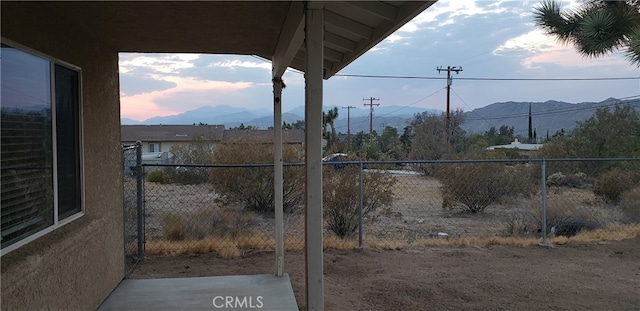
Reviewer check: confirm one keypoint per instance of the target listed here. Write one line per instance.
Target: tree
(596, 28)
(429, 137)
(340, 196)
(252, 187)
(198, 151)
(608, 134)
(390, 143)
(329, 118)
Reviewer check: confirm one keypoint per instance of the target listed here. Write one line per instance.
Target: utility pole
(530, 127)
(348, 125)
(449, 69)
(371, 104)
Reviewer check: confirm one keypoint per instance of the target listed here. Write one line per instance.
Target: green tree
(502, 136)
(608, 134)
(390, 143)
(429, 137)
(329, 118)
(596, 28)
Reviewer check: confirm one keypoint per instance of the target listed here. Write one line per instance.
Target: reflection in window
(29, 177)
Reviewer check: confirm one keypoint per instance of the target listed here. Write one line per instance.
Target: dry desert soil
(585, 276)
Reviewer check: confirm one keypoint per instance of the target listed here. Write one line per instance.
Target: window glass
(33, 126)
(26, 161)
(68, 150)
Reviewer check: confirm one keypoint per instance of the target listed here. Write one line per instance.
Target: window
(41, 162)
(154, 147)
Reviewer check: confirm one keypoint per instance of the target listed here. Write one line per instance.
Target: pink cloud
(142, 106)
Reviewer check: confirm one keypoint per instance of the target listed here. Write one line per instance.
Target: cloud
(533, 41)
(237, 63)
(165, 63)
(540, 49)
(168, 101)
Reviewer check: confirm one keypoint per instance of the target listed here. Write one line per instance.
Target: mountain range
(547, 117)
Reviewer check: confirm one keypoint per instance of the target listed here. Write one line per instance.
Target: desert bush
(341, 196)
(157, 176)
(611, 184)
(222, 222)
(563, 217)
(252, 187)
(198, 151)
(173, 227)
(630, 205)
(475, 186)
(186, 175)
(558, 179)
(519, 225)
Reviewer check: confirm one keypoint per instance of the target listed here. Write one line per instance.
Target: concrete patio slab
(238, 292)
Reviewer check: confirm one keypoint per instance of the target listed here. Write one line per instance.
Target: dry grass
(227, 247)
(610, 233)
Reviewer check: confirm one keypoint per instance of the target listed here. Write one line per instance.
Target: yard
(191, 219)
(574, 276)
(417, 255)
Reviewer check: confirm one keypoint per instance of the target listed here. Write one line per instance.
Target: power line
(487, 79)
(406, 106)
(472, 110)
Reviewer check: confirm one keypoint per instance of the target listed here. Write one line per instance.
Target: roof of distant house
(290, 136)
(216, 133)
(517, 145)
(132, 133)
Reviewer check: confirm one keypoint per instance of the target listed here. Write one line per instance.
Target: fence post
(139, 211)
(360, 199)
(544, 202)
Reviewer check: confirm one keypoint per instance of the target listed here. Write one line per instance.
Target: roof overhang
(273, 30)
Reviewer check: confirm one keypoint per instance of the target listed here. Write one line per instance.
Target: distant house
(522, 148)
(160, 138)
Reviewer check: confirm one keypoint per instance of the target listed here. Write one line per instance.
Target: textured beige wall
(76, 266)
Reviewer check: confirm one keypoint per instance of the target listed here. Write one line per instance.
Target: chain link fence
(228, 209)
(132, 204)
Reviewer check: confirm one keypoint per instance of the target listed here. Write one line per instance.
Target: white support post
(313, 157)
(277, 173)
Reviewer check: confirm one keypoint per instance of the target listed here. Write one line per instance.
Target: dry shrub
(467, 242)
(216, 221)
(255, 241)
(340, 194)
(558, 179)
(252, 187)
(157, 176)
(518, 225)
(475, 186)
(611, 184)
(173, 227)
(564, 217)
(228, 251)
(630, 205)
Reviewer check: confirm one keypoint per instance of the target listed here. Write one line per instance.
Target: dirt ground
(588, 276)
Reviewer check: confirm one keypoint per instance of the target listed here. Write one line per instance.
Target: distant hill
(550, 116)
(396, 116)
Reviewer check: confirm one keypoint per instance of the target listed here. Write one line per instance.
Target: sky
(487, 39)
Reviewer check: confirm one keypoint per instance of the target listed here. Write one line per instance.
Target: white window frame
(155, 146)
(57, 223)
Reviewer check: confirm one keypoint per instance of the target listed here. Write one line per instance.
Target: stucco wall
(74, 267)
